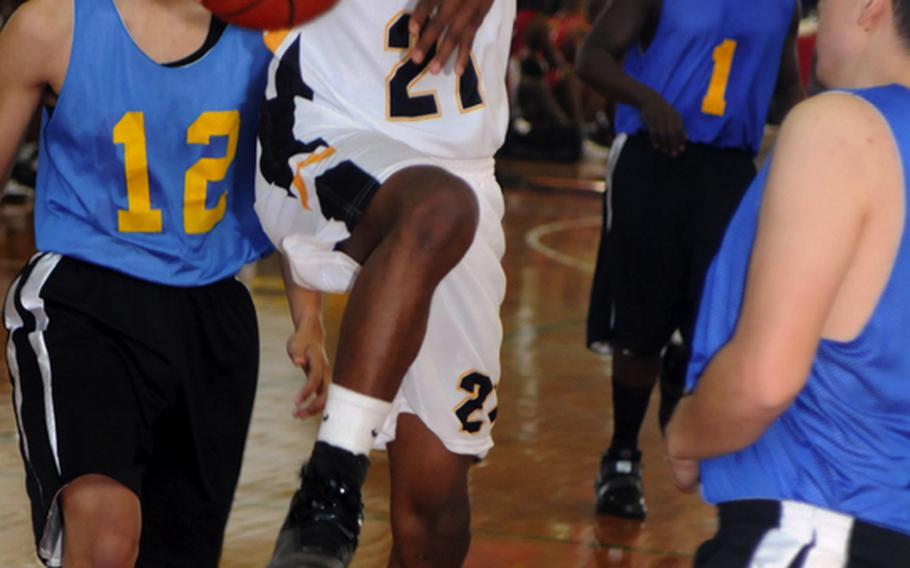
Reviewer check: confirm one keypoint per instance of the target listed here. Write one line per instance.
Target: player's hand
(451, 23)
(306, 349)
(668, 134)
(685, 474)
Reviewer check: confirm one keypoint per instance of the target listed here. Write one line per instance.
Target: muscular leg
(102, 523)
(430, 506)
(419, 225)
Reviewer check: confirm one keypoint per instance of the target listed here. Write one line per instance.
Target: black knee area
(634, 376)
(673, 369)
(636, 369)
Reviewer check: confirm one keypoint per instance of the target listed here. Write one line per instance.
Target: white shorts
(452, 384)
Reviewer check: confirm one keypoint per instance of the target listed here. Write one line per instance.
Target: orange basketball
(267, 14)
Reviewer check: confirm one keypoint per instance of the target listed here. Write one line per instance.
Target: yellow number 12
(139, 217)
(715, 102)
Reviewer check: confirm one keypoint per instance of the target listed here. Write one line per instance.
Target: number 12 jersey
(148, 169)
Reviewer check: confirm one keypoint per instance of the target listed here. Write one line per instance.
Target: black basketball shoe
(618, 485)
(323, 524)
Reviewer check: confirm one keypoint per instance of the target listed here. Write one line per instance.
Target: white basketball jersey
(356, 60)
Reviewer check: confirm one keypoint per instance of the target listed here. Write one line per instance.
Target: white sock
(351, 420)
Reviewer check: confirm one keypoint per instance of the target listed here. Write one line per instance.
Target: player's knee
(114, 549)
(101, 520)
(443, 217)
(432, 538)
(107, 549)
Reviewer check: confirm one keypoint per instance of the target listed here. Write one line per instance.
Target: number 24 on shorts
(478, 387)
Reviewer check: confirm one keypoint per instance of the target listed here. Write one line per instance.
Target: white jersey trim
(823, 535)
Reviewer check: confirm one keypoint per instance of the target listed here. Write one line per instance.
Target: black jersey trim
(216, 30)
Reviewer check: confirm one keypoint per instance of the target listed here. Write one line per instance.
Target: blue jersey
(716, 63)
(844, 444)
(148, 169)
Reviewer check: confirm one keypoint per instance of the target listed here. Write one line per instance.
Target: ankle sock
(352, 421)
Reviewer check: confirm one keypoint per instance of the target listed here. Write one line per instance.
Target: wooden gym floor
(533, 497)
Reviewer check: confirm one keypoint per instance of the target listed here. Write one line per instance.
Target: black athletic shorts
(664, 218)
(785, 533)
(150, 385)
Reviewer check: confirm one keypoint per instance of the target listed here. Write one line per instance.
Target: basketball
(267, 14)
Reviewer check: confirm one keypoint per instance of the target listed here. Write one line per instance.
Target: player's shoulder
(35, 43)
(42, 24)
(840, 139)
(840, 121)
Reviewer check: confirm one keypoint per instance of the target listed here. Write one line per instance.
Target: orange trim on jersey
(274, 39)
(314, 158)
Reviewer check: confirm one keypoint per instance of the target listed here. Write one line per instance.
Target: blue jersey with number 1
(148, 169)
(716, 62)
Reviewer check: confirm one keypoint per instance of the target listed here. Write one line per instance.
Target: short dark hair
(902, 19)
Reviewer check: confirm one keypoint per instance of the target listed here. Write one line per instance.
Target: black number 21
(402, 103)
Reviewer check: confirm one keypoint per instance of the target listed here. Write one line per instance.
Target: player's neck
(165, 30)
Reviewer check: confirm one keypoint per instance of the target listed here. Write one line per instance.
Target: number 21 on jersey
(140, 217)
(715, 102)
(405, 104)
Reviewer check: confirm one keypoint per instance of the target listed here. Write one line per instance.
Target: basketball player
(377, 177)
(695, 92)
(801, 410)
(133, 351)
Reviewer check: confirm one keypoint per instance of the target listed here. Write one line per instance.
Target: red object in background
(568, 32)
(522, 20)
(267, 14)
(805, 50)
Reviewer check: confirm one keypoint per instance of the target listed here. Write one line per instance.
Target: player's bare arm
(614, 31)
(451, 23)
(306, 345)
(34, 52)
(831, 199)
(788, 92)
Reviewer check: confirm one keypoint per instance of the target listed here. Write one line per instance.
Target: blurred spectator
(545, 110)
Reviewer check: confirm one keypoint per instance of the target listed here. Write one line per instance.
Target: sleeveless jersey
(716, 63)
(844, 444)
(355, 60)
(148, 169)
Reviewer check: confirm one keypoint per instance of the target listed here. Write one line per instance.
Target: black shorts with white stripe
(149, 385)
(787, 534)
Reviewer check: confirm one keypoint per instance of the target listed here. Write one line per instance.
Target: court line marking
(534, 236)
